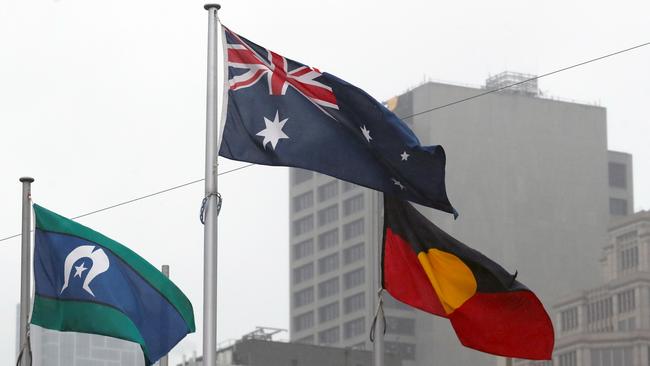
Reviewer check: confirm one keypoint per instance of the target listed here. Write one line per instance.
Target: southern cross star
(366, 133)
(273, 131)
(79, 270)
(405, 156)
(398, 183)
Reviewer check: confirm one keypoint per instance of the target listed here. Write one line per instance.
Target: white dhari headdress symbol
(99, 260)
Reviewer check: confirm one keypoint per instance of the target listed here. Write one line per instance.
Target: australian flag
(281, 112)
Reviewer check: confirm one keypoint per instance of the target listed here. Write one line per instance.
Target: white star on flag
(79, 270)
(397, 183)
(405, 156)
(273, 131)
(366, 133)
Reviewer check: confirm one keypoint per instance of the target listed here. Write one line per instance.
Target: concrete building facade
(529, 177)
(609, 325)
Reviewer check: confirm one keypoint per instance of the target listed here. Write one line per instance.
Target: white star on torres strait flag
(273, 131)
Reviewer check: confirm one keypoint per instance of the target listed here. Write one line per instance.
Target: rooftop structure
(522, 83)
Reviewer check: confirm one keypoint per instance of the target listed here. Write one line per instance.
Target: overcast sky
(104, 101)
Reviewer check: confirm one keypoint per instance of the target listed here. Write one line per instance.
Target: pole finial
(26, 179)
(211, 6)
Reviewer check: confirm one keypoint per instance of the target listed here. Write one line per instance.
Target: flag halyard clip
(205, 203)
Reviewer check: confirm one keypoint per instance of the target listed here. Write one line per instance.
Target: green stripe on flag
(85, 317)
(47, 220)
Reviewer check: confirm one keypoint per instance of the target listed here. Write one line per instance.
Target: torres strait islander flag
(88, 283)
(280, 112)
(488, 308)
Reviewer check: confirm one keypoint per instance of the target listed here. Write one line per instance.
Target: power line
(527, 80)
(405, 117)
(142, 197)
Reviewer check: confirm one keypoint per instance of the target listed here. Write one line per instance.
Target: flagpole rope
(25, 347)
(142, 197)
(380, 307)
(402, 117)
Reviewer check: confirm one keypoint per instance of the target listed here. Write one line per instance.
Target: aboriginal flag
(489, 309)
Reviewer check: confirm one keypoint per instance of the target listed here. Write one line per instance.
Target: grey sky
(105, 101)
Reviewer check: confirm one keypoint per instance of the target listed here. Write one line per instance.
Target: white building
(609, 325)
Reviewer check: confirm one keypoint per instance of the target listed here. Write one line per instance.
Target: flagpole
(210, 225)
(25, 275)
(164, 360)
(378, 342)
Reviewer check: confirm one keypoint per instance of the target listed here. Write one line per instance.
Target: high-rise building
(609, 325)
(529, 176)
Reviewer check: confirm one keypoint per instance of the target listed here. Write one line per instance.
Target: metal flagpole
(210, 225)
(164, 360)
(25, 275)
(378, 344)
(378, 341)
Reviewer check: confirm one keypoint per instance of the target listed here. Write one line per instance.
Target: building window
(405, 351)
(354, 328)
(303, 297)
(301, 175)
(303, 273)
(347, 186)
(600, 310)
(327, 191)
(354, 278)
(626, 325)
(354, 253)
(328, 215)
(303, 201)
(352, 205)
(353, 229)
(329, 336)
(611, 356)
(354, 303)
(303, 249)
(626, 301)
(328, 312)
(303, 321)
(617, 207)
(402, 326)
(328, 264)
(328, 288)
(628, 258)
(328, 239)
(617, 175)
(303, 225)
(569, 319)
(391, 303)
(568, 359)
